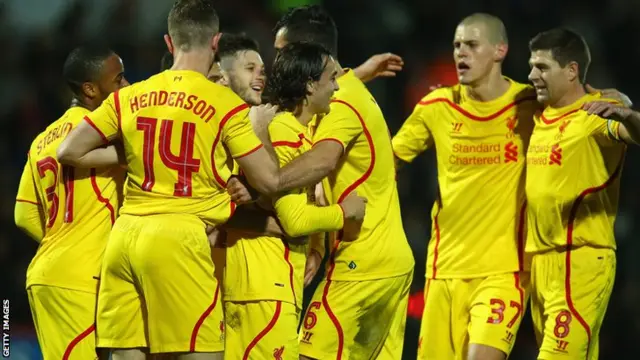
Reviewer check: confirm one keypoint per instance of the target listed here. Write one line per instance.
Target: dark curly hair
(295, 65)
(84, 64)
(232, 44)
(310, 23)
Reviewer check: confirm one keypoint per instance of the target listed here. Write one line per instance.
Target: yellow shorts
(459, 312)
(157, 287)
(357, 319)
(65, 322)
(261, 330)
(568, 304)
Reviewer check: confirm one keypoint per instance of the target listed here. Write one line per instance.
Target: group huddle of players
(204, 250)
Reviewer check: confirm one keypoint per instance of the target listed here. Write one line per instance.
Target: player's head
(480, 45)
(559, 62)
(303, 75)
(307, 23)
(166, 62)
(92, 73)
(193, 26)
(241, 67)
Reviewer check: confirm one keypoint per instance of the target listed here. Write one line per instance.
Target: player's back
(174, 126)
(381, 249)
(80, 206)
(480, 149)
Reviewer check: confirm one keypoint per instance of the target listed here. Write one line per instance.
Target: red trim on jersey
(521, 235)
(436, 225)
(572, 218)
(233, 209)
(264, 331)
(101, 198)
(292, 144)
(367, 134)
(224, 120)
(287, 252)
(250, 151)
(203, 317)
(325, 302)
(27, 201)
(116, 102)
(551, 121)
(104, 138)
(76, 341)
(472, 116)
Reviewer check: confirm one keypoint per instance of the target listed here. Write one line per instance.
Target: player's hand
(313, 265)
(379, 65)
(354, 207)
(611, 94)
(607, 110)
(434, 87)
(261, 116)
(213, 234)
(321, 199)
(239, 191)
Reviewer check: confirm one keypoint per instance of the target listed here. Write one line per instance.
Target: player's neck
(489, 88)
(574, 94)
(304, 115)
(86, 104)
(194, 60)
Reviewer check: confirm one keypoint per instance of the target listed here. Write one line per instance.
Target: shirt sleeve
(27, 188)
(297, 215)
(414, 136)
(342, 124)
(107, 117)
(606, 132)
(28, 210)
(237, 132)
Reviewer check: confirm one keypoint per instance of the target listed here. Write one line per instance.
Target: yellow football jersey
(269, 268)
(573, 178)
(80, 206)
(177, 128)
(480, 211)
(356, 122)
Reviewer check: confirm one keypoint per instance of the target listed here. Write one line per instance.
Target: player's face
(321, 91)
(548, 77)
(473, 53)
(215, 74)
(112, 77)
(246, 76)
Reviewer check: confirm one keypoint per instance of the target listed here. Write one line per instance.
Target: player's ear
(311, 87)
(90, 90)
(501, 51)
(224, 79)
(572, 71)
(167, 40)
(215, 40)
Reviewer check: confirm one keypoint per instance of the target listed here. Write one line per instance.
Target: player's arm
(379, 65)
(623, 122)
(28, 212)
(260, 169)
(300, 218)
(334, 133)
(413, 138)
(87, 145)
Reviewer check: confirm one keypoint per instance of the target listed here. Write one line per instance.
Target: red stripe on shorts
(264, 331)
(196, 328)
(77, 340)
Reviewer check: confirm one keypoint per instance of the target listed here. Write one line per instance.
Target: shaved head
(494, 27)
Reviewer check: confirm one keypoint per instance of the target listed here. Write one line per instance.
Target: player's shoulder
(58, 129)
(445, 94)
(285, 126)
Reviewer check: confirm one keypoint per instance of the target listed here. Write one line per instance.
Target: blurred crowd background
(36, 36)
